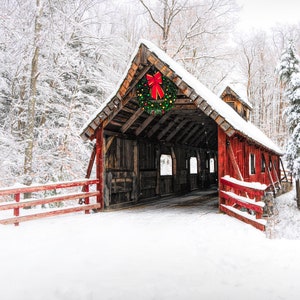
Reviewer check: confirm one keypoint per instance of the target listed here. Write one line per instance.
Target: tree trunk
(298, 192)
(29, 133)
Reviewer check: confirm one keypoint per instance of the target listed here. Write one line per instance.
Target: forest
(60, 59)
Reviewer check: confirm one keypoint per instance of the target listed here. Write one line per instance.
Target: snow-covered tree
(289, 72)
(77, 65)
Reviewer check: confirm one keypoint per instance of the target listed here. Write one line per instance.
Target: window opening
(193, 165)
(211, 165)
(166, 165)
(252, 163)
(263, 163)
(270, 162)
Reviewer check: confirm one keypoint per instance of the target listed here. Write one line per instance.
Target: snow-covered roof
(237, 123)
(239, 90)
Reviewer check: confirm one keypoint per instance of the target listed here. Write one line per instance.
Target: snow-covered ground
(156, 252)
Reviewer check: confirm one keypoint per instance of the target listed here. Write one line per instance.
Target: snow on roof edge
(229, 114)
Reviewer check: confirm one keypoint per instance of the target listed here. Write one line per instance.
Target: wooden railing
(20, 202)
(243, 200)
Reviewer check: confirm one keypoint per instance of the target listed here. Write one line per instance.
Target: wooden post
(222, 166)
(17, 210)
(174, 171)
(100, 165)
(157, 188)
(136, 171)
(87, 199)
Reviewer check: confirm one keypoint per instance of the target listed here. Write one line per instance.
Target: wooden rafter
(131, 120)
(139, 130)
(190, 134)
(201, 133)
(177, 129)
(158, 124)
(184, 132)
(167, 128)
(128, 95)
(197, 136)
(112, 114)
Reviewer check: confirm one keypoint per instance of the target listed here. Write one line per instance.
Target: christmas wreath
(156, 93)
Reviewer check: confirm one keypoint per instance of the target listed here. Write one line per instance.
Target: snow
(245, 199)
(253, 185)
(155, 252)
(229, 114)
(245, 214)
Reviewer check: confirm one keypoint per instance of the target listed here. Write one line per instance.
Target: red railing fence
(21, 202)
(243, 200)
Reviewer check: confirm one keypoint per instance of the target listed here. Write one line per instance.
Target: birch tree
(34, 73)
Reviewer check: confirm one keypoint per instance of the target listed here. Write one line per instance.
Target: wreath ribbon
(154, 83)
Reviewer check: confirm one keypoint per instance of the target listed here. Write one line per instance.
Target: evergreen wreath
(156, 93)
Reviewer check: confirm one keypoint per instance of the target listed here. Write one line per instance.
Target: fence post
(100, 165)
(17, 210)
(87, 199)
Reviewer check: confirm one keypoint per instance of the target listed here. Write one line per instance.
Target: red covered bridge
(163, 133)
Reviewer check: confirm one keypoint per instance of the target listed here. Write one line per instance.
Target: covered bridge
(162, 132)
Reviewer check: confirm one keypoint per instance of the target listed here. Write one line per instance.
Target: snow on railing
(243, 200)
(20, 201)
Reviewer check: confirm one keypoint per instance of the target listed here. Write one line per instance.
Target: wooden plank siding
(242, 149)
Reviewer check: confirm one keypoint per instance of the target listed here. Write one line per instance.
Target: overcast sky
(266, 13)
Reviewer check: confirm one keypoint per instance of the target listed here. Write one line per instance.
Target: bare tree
(194, 32)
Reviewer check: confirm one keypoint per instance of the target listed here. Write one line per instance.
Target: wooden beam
(139, 130)
(231, 211)
(100, 165)
(184, 132)
(131, 120)
(284, 172)
(177, 129)
(136, 170)
(157, 187)
(191, 133)
(50, 213)
(201, 133)
(91, 163)
(112, 114)
(167, 128)
(126, 97)
(162, 120)
(197, 136)
(234, 162)
(108, 144)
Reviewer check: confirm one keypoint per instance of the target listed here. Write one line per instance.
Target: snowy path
(157, 252)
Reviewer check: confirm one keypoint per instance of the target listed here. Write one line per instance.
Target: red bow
(154, 83)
